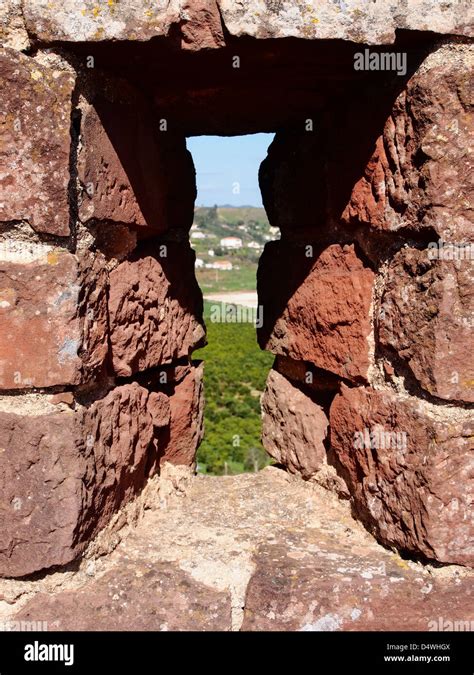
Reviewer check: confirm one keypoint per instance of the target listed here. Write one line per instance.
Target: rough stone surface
(12, 27)
(285, 554)
(294, 426)
(354, 20)
(35, 143)
(192, 24)
(90, 22)
(52, 318)
(99, 160)
(42, 476)
(419, 176)
(319, 309)
(186, 418)
(130, 171)
(63, 474)
(93, 313)
(38, 322)
(137, 595)
(409, 466)
(124, 432)
(426, 315)
(200, 25)
(155, 308)
(299, 588)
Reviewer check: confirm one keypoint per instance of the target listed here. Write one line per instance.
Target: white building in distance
(231, 242)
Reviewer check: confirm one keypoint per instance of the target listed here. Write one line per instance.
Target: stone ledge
(257, 551)
(200, 22)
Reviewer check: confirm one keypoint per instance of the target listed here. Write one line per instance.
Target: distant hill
(211, 224)
(229, 206)
(249, 223)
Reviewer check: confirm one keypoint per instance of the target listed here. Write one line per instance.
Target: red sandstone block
(186, 417)
(410, 468)
(63, 474)
(427, 316)
(317, 308)
(155, 595)
(124, 432)
(294, 426)
(53, 322)
(130, 171)
(35, 143)
(336, 584)
(420, 173)
(42, 491)
(155, 308)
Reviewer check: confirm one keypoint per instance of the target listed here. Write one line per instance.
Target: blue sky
(227, 168)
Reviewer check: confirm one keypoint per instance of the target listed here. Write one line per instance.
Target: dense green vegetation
(235, 374)
(235, 368)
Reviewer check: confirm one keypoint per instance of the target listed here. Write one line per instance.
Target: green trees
(235, 368)
(234, 377)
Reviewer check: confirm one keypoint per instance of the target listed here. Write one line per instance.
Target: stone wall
(378, 292)
(99, 307)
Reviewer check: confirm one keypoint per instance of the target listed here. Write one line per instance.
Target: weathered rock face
(319, 310)
(116, 21)
(123, 430)
(261, 551)
(352, 20)
(419, 174)
(97, 160)
(138, 595)
(51, 320)
(186, 418)
(35, 143)
(292, 591)
(94, 145)
(94, 316)
(53, 317)
(76, 469)
(155, 309)
(426, 315)
(41, 488)
(12, 27)
(294, 427)
(416, 183)
(409, 468)
(130, 170)
(200, 25)
(197, 25)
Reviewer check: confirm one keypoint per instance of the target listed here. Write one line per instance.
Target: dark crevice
(76, 116)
